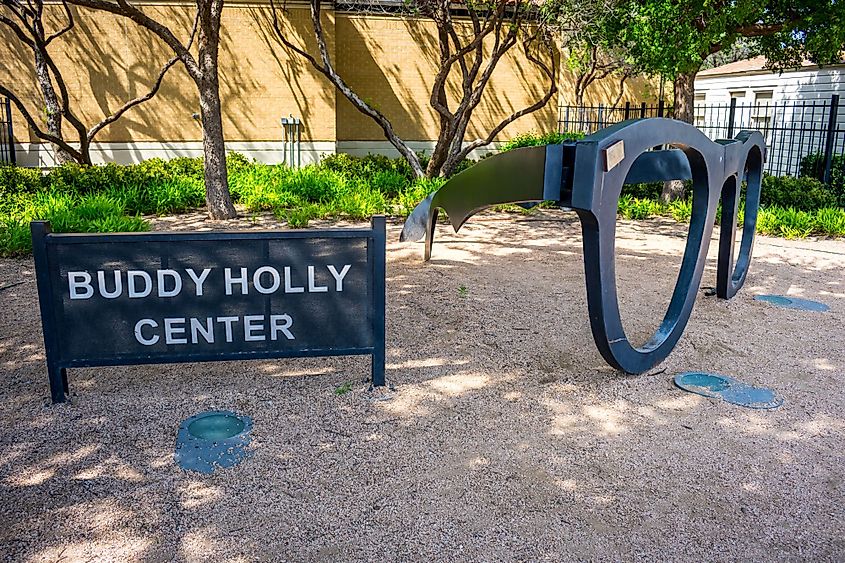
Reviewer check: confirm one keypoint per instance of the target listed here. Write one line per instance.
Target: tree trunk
(51, 105)
(684, 90)
(217, 195)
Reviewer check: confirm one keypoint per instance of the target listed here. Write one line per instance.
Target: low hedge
(113, 198)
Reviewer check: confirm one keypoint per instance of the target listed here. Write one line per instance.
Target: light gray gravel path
(504, 435)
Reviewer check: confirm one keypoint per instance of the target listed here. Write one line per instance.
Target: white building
(791, 108)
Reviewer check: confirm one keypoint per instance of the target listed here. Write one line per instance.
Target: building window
(761, 114)
(699, 109)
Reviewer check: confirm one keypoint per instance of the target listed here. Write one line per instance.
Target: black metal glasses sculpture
(587, 176)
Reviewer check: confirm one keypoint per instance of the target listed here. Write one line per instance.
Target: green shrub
(415, 193)
(681, 210)
(637, 209)
(801, 193)
(67, 212)
(537, 139)
(18, 180)
(389, 182)
(785, 222)
(314, 184)
(651, 190)
(830, 221)
(812, 166)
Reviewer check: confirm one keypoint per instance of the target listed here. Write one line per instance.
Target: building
(794, 109)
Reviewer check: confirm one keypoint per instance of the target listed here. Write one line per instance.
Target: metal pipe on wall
(292, 141)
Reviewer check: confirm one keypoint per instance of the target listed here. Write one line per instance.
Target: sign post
(146, 298)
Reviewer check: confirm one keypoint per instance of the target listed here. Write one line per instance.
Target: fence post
(660, 108)
(642, 111)
(831, 128)
(627, 111)
(12, 155)
(731, 118)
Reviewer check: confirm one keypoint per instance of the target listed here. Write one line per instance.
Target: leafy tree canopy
(675, 36)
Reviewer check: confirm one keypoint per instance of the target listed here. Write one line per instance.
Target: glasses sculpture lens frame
(587, 176)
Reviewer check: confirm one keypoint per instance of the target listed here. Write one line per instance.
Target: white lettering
(77, 280)
(256, 279)
(312, 286)
(230, 281)
(171, 331)
(177, 283)
(338, 278)
(118, 284)
(198, 281)
(131, 276)
(249, 327)
(280, 323)
(139, 335)
(288, 287)
(228, 322)
(206, 330)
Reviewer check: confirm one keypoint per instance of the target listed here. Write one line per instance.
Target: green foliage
(538, 139)
(801, 193)
(651, 190)
(812, 166)
(15, 180)
(344, 388)
(830, 221)
(681, 210)
(675, 36)
(637, 209)
(785, 222)
(88, 213)
(112, 198)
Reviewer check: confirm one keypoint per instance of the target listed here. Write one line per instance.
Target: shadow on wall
(293, 73)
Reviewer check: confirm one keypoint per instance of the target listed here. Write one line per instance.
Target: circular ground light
(212, 439)
(728, 389)
(793, 303)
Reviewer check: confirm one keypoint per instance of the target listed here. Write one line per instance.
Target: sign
(142, 298)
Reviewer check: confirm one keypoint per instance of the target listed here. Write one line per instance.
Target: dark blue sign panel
(123, 299)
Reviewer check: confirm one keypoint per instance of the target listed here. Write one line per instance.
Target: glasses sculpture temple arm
(531, 174)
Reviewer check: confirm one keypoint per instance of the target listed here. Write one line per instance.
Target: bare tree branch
(326, 68)
(125, 9)
(549, 71)
(41, 134)
(68, 26)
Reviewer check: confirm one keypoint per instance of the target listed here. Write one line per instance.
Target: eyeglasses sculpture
(587, 176)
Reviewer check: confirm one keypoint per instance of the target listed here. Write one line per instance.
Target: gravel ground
(503, 434)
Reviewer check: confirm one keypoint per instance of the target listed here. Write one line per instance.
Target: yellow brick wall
(107, 59)
(392, 63)
(389, 61)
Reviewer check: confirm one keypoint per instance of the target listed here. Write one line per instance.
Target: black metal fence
(793, 130)
(589, 119)
(7, 137)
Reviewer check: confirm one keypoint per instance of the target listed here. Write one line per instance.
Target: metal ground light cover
(793, 303)
(728, 389)
(212, 439)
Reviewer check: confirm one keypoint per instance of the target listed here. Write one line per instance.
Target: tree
(674, 37)
(582, 28)
(202, 69)
(471, 47)
(26, 21)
